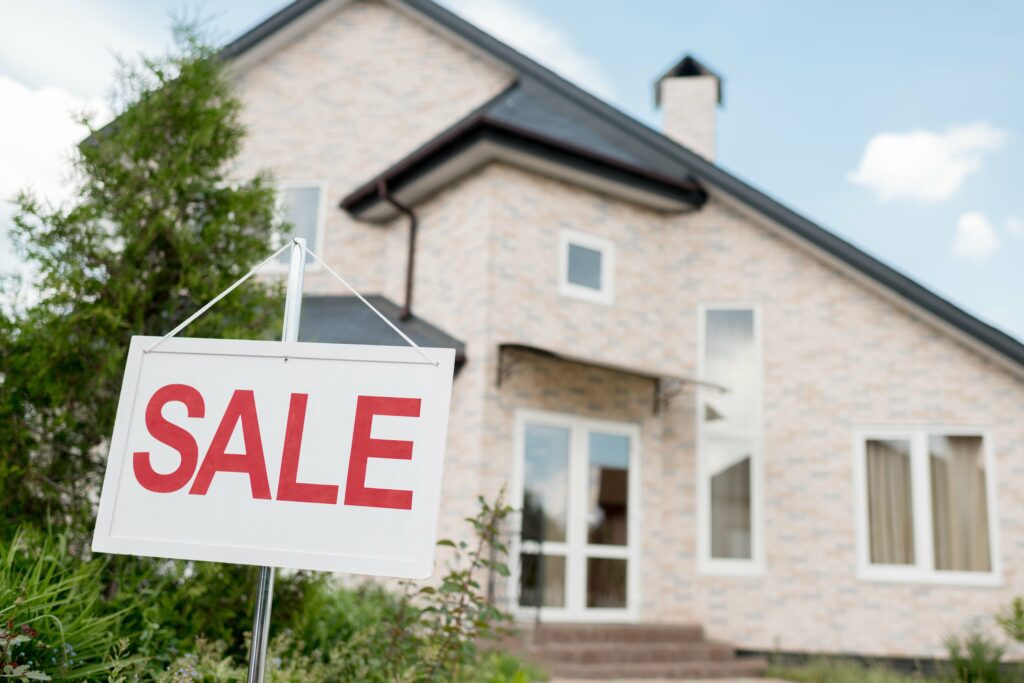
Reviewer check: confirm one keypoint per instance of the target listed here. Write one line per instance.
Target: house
(712, 410)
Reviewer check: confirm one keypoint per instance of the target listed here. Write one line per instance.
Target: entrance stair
(631, 651)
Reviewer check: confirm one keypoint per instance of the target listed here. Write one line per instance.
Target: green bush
(330, 614)
(119, 619)
(1011, 620)
(55, 623)
(168, 604)
(975, 658)
(431, 633)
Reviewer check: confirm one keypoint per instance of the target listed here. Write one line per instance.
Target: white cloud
(71, 45)
(923, 165)
(512, 23)
(975, 238)
(37, 135)
(1015, 226)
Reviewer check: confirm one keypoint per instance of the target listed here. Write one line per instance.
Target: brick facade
(371, 84)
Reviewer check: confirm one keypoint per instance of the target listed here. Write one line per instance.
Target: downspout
(385, 194)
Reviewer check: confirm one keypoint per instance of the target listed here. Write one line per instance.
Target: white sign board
(311, 456)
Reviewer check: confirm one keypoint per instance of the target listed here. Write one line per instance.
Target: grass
(842, 671)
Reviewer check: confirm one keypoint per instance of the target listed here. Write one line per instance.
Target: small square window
(586, 267)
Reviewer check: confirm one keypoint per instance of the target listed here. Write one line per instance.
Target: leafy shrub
(330, 614)
(1011, 620)
(432, 633)
(457, 614)
(975, 658)
(168, 604)
(498, 667)
(55, 625)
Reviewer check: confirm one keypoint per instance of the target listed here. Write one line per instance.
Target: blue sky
(899, 126)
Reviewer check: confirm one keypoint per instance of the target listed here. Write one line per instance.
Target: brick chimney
(689, 95)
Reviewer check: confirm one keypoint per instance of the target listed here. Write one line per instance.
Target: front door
(577, 484)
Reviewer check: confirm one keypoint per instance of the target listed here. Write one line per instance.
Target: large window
(586, 267)
(927, 508)
(729, 466)
(302, 211)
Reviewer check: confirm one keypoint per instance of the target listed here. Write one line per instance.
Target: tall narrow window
(545, 510)
(927, 505)
(729, 434)
(300, 208)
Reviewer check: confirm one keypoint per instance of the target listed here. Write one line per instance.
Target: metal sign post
(265, 583)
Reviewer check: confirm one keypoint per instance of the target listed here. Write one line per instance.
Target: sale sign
(287, 454)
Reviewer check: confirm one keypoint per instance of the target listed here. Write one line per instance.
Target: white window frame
(706, 564)
(276, 266)
(576, 549)
(923, 570)
(604, 295)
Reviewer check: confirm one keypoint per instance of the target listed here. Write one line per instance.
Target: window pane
(890, 502)
(542, 580)
(959, 503)
(730, 359)
(301, 212)
(729, 468)
(606, 582)
(545, 488)
(584, 268)
(608, 488)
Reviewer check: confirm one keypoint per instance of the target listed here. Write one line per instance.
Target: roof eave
(481, 129)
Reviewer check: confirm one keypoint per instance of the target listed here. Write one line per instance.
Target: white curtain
(959, 503)
(890, 502)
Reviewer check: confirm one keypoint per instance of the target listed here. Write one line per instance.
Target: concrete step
(616, 633)
(595, 653)
(736, 668)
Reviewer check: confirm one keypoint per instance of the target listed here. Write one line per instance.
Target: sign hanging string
(188, 321)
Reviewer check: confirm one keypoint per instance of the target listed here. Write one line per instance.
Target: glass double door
(577, 489)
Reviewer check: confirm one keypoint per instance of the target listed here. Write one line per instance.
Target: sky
(899, 126)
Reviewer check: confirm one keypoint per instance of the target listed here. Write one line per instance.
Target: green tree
(157, 227)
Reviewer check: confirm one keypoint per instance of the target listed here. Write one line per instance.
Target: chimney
(689, 94)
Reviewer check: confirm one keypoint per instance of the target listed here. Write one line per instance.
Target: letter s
(172, 435)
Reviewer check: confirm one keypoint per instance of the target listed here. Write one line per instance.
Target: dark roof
(550, 107)
(347, 320)
(687, 66)
(519, 120)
